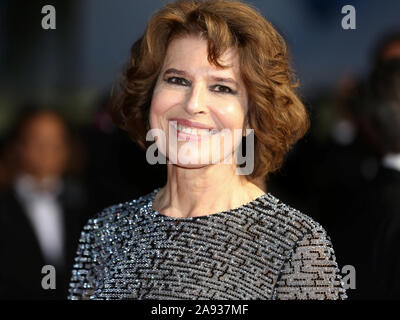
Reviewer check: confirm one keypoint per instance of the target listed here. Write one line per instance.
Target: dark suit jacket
(21, 259)
(385, 255)
(369, 238)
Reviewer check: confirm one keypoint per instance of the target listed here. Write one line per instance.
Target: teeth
(194, 131)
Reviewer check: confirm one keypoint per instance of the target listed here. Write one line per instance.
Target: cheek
(162, 101)
(230, 115)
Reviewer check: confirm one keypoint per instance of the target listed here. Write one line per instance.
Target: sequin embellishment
(262, 250)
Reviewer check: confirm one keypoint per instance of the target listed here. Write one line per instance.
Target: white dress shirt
(392, 161)
(45, 214)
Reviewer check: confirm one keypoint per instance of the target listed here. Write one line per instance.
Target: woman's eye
(224, 89)
(182, 81)
(176, 80)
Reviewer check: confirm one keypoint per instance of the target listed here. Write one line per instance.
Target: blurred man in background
(355, 198)
(41, 213)
(380, 204)
(388, 47)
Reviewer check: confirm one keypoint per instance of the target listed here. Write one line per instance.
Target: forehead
(44, 124)
(191, 53)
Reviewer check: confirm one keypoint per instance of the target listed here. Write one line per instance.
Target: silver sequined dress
(261, 250)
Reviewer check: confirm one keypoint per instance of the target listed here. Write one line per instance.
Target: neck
(203, 191)
(40, 183)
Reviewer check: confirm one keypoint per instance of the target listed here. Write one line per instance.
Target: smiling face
(199, 104)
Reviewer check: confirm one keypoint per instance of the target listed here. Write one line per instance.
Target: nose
(196, 99)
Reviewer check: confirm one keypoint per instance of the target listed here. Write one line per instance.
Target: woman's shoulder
(287, 220)
(119, 214)
(294, 234)
(308, 256)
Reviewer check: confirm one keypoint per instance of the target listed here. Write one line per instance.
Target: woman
(202, 71)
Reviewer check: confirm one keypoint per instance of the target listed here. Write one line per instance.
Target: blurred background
(62, 160)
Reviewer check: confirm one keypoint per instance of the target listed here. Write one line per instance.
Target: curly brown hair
(276, 114)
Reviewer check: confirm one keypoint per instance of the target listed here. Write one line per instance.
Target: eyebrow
(183, 73)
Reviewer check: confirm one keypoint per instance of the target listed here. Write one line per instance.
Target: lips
(189, 130)
(191, 124)
(194, 131)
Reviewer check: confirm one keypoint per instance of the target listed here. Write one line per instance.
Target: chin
(189, 162)
(190, 157)
(191, 166)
